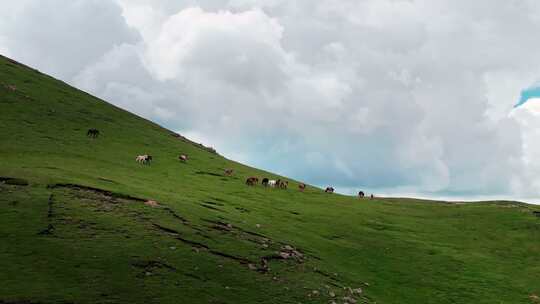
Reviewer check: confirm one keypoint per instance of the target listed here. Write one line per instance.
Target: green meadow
(82, 222)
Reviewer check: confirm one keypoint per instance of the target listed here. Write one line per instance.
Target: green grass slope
(81, 232)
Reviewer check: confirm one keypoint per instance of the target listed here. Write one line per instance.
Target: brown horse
(252, 181)
(302, 187)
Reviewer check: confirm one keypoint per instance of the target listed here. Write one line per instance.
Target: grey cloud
(60, 36)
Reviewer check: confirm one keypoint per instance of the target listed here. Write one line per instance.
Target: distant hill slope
(76, 224)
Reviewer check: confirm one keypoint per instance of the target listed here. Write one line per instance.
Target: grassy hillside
(81, 230)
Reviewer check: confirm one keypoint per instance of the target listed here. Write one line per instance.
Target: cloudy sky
(399, 97)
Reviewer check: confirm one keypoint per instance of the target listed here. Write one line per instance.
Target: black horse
(93, 133)
(361, 194)
(265, 182)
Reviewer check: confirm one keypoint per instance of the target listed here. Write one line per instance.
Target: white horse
(143, 159)
(272, 183)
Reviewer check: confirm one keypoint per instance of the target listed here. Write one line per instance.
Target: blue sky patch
(532, 92)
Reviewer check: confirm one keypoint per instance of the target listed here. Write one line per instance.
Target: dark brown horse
(92, 133)
(252, 181)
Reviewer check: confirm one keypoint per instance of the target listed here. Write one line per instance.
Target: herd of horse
(250, 181)
(281, 184)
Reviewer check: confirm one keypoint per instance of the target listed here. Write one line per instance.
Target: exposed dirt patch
(107, 180)
(152, 267)
(243, 210)
(177, 236)
(285, 253)
(177, 216)
(333, 237)
(97, 190)
(217, 199)
(108, 201)
(214, 203)
(241, 260)
(14, 181)
(223, 226)
(209, 173)
(326, 274)
(212, 208)
(151, 203)
(194, 244)
(200, 246)
(47, 231)
(152, 264)
(30, 302)
(194, 276)
(50, 206)
(50, 213)
(165, 229)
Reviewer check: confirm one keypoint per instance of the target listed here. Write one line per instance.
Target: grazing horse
(272, 183)
(143, 159)
(229, 172)
(265, 182)
(329, 190)
(183, 158)
(283, 185)
(361, 194)
(93, 133)
(302, 187)
(252, 181)
(371, 196)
